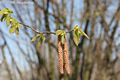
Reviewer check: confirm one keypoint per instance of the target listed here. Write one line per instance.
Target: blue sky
(25, 41)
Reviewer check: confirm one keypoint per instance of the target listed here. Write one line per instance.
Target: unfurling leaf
(6, 15)
(1, 12)
(17, 31)
(19, 25)
(58, 32)
(10, 11)
(41, 36)
(13, 21)
(5, 11)
(12, 29)
(83, 33)
(8, 20)
(3, 17)
(33, 39)
(62, 39)
(76, 28)
(76, 37)
(62, 33)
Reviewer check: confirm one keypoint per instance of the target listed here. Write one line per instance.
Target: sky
(24, 41)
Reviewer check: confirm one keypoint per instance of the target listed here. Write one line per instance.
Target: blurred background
(95, 59)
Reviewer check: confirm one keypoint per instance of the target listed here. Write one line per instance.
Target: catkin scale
(66, 58)
(60, 52)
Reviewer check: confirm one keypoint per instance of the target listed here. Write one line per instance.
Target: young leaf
(58, 32)
(3, 17)
(13, 21)
(10, 11)
(80, 31)
(83, 33)
(1, 12)
(76, 37)
(8, 20)
(33, 39)
(12, 29)
(4, 11)
(17, 31)
(75, 27)
(41, 40)
(63, 33)
(43, 37)
(62, 39)
(19, 25)
(77, 33)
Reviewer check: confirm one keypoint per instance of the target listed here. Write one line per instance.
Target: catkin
(60, 52)
(66, 58)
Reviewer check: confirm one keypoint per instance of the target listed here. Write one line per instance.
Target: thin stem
(46, 32)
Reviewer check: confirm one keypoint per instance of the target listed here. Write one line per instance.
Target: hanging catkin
(60, 55)
(66, 58)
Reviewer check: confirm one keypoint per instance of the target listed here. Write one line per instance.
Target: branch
(46, 32)
(16, 2)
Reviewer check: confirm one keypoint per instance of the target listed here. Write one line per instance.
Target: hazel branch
(46, 32)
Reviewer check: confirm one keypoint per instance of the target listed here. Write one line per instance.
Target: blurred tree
(93, 59)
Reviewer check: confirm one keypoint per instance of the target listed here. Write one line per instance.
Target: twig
(46, 32)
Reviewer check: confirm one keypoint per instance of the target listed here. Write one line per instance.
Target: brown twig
(46, 32)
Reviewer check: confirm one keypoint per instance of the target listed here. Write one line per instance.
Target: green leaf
(1, 12)
(76, 37)
(58, 32)
(77, 33)
(13, 21)
(42, 38)
(12, 29)
(17, 31)
(34, 38)
(80, 30)
(83, 33)
(62, 39)
(8, 20)
(63, 33)
(3, 17)
(76, 26)
(4, 11)
(10, 11)
(19, 25)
